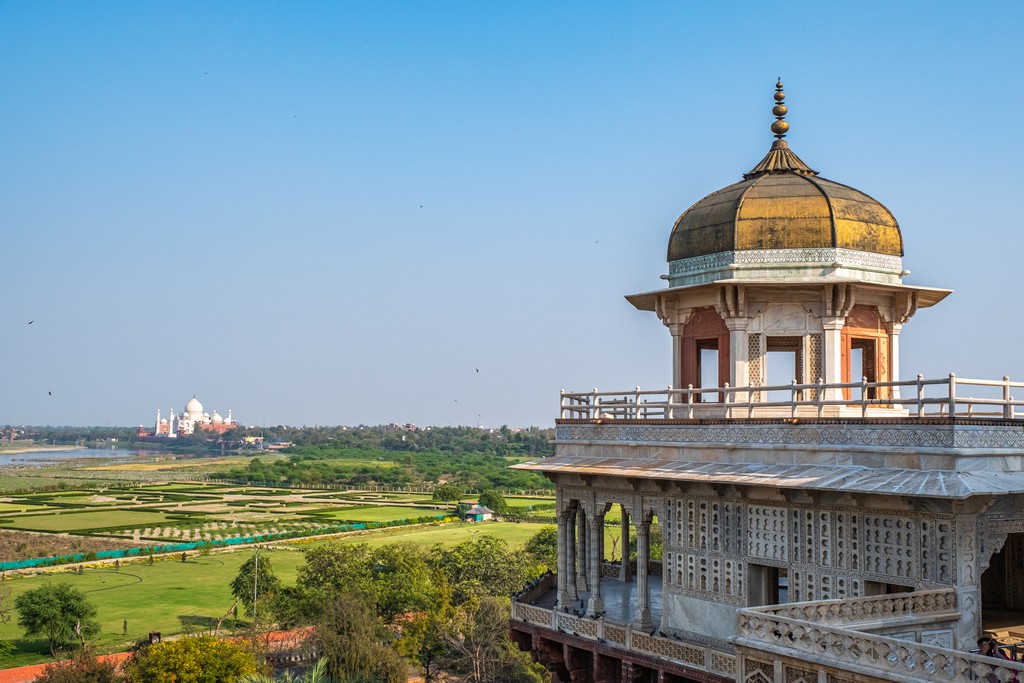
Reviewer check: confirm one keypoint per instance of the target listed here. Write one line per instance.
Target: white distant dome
(194, 407)
(163, 420)
(217, 419)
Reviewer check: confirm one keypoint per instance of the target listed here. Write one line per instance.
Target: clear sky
(429, 212)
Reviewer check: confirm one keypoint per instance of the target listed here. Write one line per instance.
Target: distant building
(187, 422)
(478, 513)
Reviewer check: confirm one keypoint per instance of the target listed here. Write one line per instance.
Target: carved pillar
(570, 557)
(676, 329)
(596, 529)
(564, 550)
(894, 362)
(581, 550)
(625, 571)
(642, 618)
(968, 581)
(738, 348)
(833, 356)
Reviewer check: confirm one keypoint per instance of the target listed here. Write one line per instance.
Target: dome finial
(779, 111)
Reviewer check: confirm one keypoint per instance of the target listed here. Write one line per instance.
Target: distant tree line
(529, 443)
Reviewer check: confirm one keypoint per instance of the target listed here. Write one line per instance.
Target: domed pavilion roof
(784, 214)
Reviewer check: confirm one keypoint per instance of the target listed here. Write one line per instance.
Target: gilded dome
(785, 209)
(783, 214)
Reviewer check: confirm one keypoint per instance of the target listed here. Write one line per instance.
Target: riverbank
(17, 449)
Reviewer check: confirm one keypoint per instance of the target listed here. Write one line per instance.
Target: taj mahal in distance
(844, 524)
(190, 420)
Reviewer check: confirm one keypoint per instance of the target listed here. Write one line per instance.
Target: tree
(336, 566)
(543, 546)
(256, 587)
(81, 668)
(448, 492)
(356, 644)
(401, 580)
(495, 501)
(58, 612)
(484, 566)
(194, 659)
(480, 649)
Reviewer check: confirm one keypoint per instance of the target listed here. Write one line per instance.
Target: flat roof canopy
(846, 479)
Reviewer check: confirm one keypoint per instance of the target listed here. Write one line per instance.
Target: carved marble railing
(810, 633)
(925, 604)
(617, 635)
(918, 398)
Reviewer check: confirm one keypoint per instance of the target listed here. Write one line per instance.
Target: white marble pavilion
(822, 518)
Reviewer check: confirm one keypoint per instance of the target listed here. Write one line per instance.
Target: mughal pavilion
(823, 517)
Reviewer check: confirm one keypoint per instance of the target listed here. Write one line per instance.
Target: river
(52, 457)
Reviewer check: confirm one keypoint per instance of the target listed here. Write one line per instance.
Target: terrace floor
(619, 600)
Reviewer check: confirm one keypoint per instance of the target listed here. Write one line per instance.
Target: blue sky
(364, 212)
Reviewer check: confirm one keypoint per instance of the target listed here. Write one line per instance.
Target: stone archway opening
(1002, 592)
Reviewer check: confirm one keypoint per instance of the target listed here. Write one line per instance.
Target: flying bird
(50, 393)
(478, 370)
(31, 321)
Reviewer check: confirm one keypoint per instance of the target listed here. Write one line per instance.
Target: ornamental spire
(780, 158)
(779, 111)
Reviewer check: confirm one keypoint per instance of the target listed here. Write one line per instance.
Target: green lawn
(381, 514)
(520, 502)
(73, 521)
(445, 534)
(168, 596)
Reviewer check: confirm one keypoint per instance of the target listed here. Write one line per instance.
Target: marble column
(625, 571)
(677, 355)
(570, 556)
(894, 361)
(596, 529)
(564, 549)
(738, 349)
(642, 618)
(833, 352)
(581, 551)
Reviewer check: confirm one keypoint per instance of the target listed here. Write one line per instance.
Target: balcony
(903, 637)
(914, 400)
(679, 653)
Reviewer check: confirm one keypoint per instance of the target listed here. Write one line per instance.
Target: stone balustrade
(828, 636)
(933, 604)
(624, 636)
(912, 399)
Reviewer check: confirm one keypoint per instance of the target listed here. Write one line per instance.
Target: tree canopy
(193, 659)
(59, 612)
(256, 587)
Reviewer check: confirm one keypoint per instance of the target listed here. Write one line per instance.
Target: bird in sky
(50, 393)
(31, 321)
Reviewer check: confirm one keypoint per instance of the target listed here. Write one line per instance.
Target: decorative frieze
(844, 435)
(802, 257)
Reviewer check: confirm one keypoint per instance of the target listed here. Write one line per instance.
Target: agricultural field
(156, 514)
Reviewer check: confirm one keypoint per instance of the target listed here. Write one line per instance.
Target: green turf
(168, 596)
(381, 514)
(73, 521)
(518, 502)
(445, 534)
